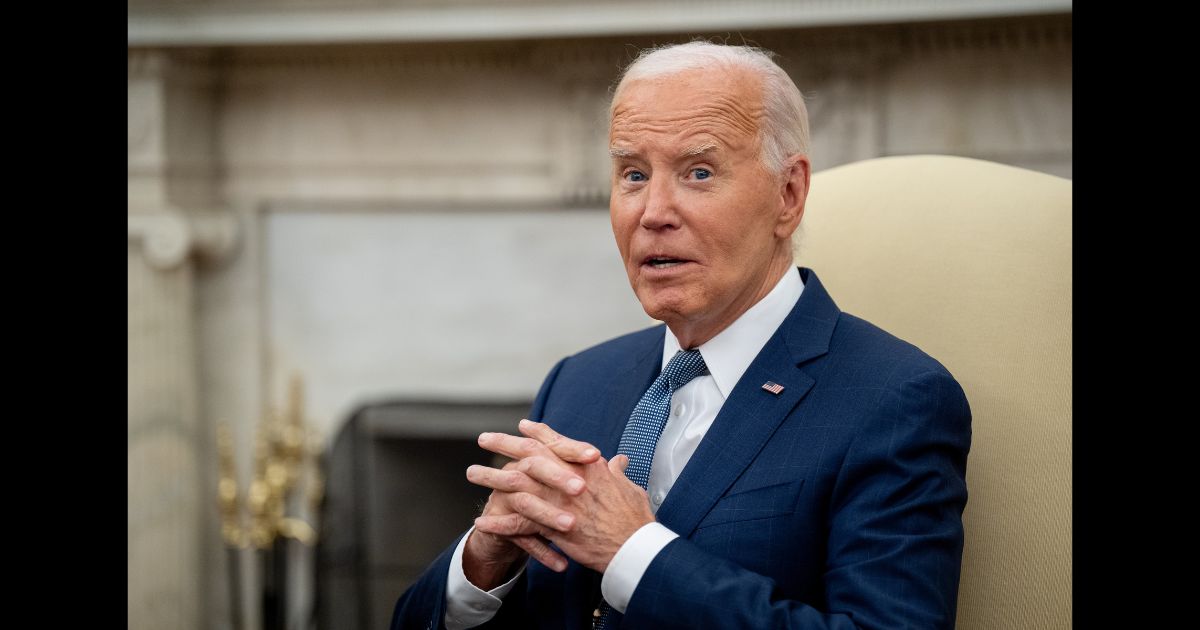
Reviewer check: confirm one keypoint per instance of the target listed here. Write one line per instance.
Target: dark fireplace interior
(396, 496)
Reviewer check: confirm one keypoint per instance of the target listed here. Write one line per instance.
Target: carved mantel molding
(192, 23)
(171, 236)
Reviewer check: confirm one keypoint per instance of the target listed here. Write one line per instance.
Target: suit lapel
(751, 414)
(629, 382)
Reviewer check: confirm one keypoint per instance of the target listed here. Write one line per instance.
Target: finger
(552, 473)
(567, 449)
(523, 533)
(512, 446)
(539, 511)
(548, 470)
(507, 525)
(540, 551)
(618, 464)
(503, 480)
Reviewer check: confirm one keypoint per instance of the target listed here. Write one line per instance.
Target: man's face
(695, 213)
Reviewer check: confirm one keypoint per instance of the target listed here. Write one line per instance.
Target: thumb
(618, 464)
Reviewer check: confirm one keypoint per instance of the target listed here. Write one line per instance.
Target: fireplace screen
(396, 496)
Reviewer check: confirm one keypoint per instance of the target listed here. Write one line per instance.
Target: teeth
(663, 264)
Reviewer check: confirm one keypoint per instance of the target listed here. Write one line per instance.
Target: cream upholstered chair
(971, 262)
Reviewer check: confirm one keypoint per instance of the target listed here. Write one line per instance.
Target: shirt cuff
(631, 561)
(468, 605)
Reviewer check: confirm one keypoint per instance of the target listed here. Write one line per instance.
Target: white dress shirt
(693, 409)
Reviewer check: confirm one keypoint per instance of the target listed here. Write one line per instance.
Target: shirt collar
(728, 354)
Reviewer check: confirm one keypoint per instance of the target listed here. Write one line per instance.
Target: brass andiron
(286, 452)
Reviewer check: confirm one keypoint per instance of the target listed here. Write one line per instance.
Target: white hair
(784, 125)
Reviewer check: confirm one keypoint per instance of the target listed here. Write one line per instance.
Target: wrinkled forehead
(724, 101)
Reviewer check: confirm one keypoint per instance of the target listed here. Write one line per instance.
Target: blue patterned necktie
(646, 425)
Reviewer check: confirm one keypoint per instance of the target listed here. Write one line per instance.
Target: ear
(794, 193)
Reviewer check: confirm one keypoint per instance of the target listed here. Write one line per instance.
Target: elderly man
(762, 461)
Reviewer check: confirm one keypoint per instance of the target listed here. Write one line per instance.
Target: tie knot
(683, 367)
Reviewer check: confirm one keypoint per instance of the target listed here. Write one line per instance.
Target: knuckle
(500, 481)
(512, 479)
(544, 468)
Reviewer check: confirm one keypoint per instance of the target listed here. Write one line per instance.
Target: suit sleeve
(895, 534)
(423, 605)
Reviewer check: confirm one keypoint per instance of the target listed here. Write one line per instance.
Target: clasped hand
(556, 490)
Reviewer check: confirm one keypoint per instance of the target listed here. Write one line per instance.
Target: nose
(661, 210)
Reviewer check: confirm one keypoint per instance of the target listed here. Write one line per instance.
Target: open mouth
(663, 262)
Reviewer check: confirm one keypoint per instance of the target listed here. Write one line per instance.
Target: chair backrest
(971, 262)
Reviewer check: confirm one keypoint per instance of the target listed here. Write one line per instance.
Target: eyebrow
(700, 149)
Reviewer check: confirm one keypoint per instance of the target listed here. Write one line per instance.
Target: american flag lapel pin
(773, 387)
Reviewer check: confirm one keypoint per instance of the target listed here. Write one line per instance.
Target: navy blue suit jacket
(834, 504)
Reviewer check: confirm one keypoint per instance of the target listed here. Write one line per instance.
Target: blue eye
(635, 176)
(702, 173)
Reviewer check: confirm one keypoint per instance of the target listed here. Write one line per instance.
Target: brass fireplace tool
(286, 452)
